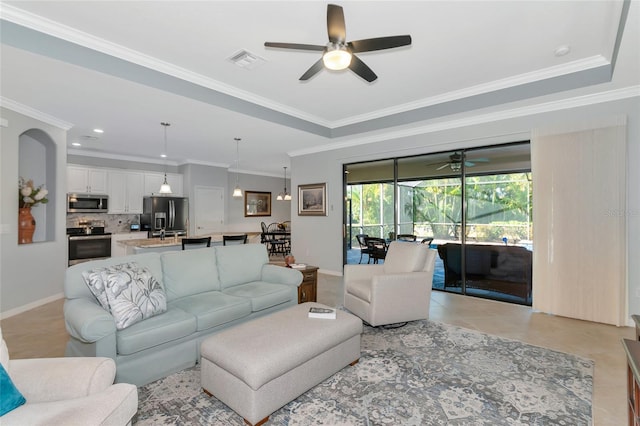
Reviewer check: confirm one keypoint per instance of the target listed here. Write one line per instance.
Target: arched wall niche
(37, 161)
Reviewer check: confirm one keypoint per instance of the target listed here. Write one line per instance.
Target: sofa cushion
(189, 272)
(213, 308)
(171, 325)
(11, 396)
(133, 294)
(263, 295)
(240, 264)
(405, 257)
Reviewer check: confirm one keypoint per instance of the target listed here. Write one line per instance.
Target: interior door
(208, 209)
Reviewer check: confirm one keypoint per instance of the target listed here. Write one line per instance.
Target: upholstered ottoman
(261, 365)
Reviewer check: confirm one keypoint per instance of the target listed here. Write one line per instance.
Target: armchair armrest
(87, 321)
(403, 287)
(116, 405)
(279, 274)
(55, 379)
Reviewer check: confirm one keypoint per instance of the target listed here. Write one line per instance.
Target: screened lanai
(486, 192)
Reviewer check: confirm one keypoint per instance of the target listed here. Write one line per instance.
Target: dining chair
(196, 242)
(278, 240)
(242, 238)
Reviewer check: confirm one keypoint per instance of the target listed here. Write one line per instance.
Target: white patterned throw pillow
(133, 294)
(95, 281)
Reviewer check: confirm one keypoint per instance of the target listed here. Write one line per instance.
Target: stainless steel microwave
(87, 203)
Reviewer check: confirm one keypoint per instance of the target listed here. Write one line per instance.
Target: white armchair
(397, 291)
(68, 391)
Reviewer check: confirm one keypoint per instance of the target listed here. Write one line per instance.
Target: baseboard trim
(29, 306)
(329, 272)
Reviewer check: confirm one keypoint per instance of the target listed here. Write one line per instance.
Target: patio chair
(363, 246)
(377, 249)
(407, 237)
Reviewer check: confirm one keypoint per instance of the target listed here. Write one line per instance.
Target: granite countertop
(177, 241)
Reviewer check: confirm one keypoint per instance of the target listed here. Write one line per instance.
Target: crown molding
(72, 35)
(109, 156)
(563, 104)
(493, 86)
(34, 113)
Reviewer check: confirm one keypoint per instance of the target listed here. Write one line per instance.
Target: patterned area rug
(426, 373)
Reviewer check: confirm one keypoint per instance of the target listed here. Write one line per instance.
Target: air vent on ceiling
(245, 59)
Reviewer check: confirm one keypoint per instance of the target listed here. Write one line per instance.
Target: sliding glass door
(473, 206)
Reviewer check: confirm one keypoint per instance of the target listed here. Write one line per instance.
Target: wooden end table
(308, 289)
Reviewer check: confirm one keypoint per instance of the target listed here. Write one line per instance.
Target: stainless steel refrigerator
(168, 215)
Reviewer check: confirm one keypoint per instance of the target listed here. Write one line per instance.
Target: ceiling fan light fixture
(336, 57)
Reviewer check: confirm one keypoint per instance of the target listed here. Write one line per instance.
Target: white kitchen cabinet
(118, 250)
(87, 180)
(125, 192)
(152, 182)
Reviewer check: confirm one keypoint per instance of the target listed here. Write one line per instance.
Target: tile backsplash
(114, 223)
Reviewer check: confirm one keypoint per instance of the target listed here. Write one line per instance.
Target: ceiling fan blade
(315, 68)
(335, 24)
(380, 43)
(443, 166)
(362, 69)
(469, 163)
(295, 46)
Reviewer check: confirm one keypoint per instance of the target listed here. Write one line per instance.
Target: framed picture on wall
(312, 199)
(257, 203)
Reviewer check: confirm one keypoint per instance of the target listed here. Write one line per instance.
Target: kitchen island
(148, 245)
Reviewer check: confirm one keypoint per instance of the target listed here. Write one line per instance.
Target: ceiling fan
(455, 162)
(338, 54)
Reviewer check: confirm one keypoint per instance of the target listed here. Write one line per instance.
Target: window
(486, 192)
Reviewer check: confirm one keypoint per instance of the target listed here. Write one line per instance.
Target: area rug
(426, 373)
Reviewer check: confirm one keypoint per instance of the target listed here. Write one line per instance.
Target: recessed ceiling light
(163, 155)
(76, 144)
(562, 50)
(98, 130)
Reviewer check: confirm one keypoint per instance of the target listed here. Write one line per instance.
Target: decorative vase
(26, 226)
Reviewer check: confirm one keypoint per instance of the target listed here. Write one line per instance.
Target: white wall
(318, 240)
(29, 273)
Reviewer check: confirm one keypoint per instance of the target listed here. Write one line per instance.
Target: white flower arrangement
(30, 195)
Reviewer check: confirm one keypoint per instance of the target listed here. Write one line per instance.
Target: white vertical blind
(579, 193)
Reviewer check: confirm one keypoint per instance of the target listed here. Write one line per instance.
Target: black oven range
(88, 242)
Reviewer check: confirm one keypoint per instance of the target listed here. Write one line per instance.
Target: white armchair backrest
(405, 257)
(4, 353)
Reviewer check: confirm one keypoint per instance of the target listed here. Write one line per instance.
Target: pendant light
(237, 192)
(165, 188)
(284, 195)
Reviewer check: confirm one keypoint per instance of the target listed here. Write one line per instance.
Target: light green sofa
(207, 290)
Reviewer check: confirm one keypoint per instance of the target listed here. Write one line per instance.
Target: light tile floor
(40, 332)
